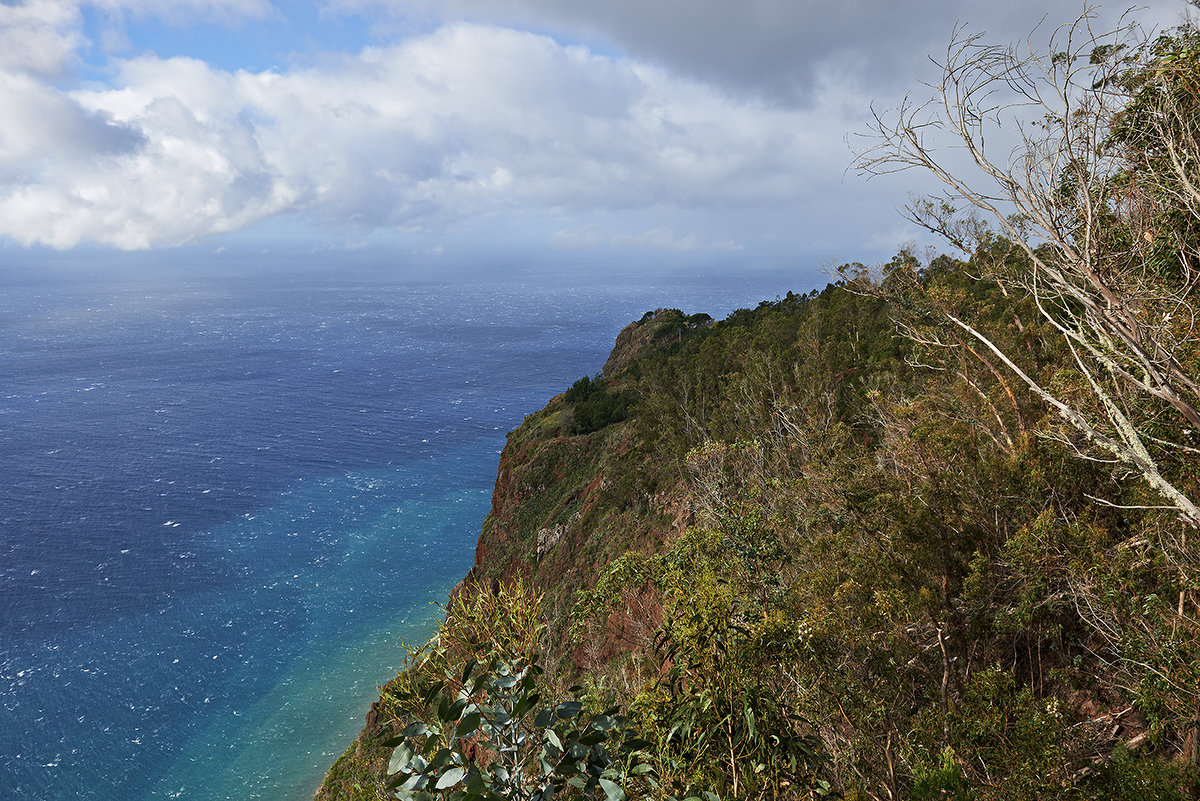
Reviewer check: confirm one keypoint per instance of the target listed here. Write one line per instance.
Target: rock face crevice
(549, 537)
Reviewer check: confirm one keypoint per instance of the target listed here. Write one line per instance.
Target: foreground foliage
(487, 738)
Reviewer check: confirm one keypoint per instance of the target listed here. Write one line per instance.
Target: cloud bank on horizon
(666, 125)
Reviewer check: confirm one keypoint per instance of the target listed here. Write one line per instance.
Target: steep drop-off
(806, 553)
(556, 490)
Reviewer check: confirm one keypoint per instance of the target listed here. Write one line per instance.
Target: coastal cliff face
(566, 504)
(854, 562)
(555, 492)
(658, 328)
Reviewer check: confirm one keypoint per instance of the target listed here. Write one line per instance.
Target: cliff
(655, 328)
(807, 556)
(556, 490)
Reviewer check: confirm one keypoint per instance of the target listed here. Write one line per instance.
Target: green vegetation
(593, 406)
(819, 557)
(484, 732)
(927, 533)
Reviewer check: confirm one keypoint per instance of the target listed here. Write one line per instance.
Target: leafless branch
(1084, 209)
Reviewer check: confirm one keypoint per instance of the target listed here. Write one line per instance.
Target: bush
(487, 737)
(594, 407)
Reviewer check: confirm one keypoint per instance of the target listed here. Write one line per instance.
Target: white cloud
(44, 127)
(774, 48)
(469, 121)
(38, 37)
(723, 119)
(42, 37)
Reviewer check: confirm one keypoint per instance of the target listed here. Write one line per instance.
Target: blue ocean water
(227, 498)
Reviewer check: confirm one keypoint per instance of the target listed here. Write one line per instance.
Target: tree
(1102, 194)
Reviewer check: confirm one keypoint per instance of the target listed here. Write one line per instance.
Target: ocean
(229, 497)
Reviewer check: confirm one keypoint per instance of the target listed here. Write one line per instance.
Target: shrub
(488, 737)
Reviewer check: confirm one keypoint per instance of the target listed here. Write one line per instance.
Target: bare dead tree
(1088, 206)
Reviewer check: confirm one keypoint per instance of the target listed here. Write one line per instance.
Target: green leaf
(580, 782)
(408, 784)
(415, 729)
(456, 709)
(544, 718)
(552, 736)
(468, 669)
(612, 790)
(524, 704)
(400, 759)
(569, 709)
(593, 737)
(433, 691)
(450, 778)
(440, 758)
(468, 724)
(604, 722)
(476, 784)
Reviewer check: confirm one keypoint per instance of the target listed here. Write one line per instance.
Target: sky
(711, 131)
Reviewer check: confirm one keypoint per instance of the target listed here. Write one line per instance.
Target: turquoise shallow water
(399, 560)
(226, 499)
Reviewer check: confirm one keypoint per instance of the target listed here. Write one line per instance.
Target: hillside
(806, 554)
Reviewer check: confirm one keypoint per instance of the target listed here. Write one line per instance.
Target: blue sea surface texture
(227, 501)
